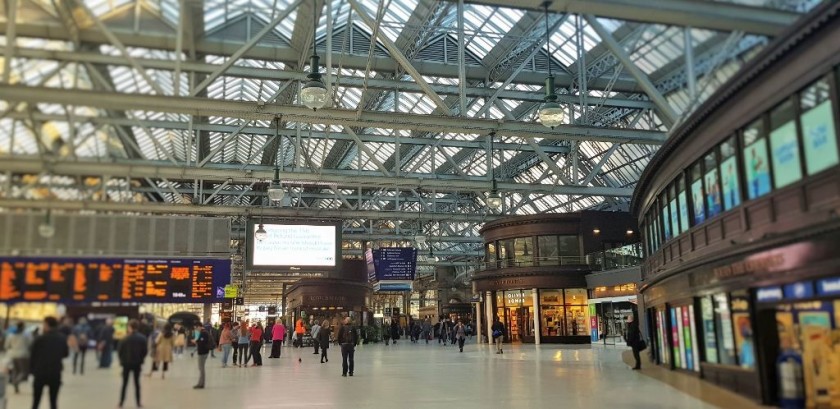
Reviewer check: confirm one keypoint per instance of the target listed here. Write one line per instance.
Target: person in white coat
(313, 332)
(17, 351)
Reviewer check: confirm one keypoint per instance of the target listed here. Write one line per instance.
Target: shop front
(326, 298)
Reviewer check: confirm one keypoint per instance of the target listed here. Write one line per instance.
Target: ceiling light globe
(494, 200)
(46, 230)
(276, 192)
(314, 95)
(261, 234)
(551, 114)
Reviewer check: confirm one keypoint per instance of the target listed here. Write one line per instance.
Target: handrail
(534, 262)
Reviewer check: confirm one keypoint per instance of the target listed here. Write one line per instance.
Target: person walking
(498, 332)
(180, 340)
(256, 344)
(300, 329)
(243, 344)
(395, 330)
(106, 345)
(203, 346)
(427, 329)
(278, 334)
(132, 352)
(313, 332)
(324, 340)
(460, 334)
(164, 348)
(386, 334)
(17, 349)
(348, 338)
(444, 331)
(82, 332)
(634, 341)
(226, 342)
(48, 352)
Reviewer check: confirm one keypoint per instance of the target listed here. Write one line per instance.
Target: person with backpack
(348, 338)
(203, 346)
(83, 334)
(498, 332)
(313, 332)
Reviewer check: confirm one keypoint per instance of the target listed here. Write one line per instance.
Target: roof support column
(462, 71)
(10, 40)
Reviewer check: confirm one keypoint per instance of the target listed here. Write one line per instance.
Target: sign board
(272, 310)
(769, 294)
(231, 291)
(829, 286)
(239, 301)
(393, 286)
(395, 263)
(800, 290)
(78, 279)
(227, 304)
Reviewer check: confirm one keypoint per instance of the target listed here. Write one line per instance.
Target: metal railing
(534, 262)
(630, 255)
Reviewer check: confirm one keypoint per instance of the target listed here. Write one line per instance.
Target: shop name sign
(828, 286)
(509, 281)
(326, 298)
(757, 266)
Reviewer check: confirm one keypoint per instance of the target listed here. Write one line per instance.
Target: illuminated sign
(828, 286)
(769, 294)
(113, 279)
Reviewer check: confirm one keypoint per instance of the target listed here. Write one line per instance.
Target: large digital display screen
(292, 246)
(395, 263)
(113, 279)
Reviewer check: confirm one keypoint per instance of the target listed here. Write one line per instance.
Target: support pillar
(478, 321)
(208, 312)
(536, 296)
(488, 315)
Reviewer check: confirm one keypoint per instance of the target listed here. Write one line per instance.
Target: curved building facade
(739, 217)
(534, 274)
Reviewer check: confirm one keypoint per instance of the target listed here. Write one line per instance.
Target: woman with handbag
(164, 347)
(498, 330)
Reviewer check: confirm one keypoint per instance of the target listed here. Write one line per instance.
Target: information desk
(113, 279)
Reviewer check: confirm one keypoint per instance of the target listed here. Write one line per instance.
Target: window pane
(506, 253)
(552, 313)
(490, 253)
(697, 200)
(675, 218)
(756, 161)
(666, 223)
(743, 329)
(549, 252)
(713, 203)
(818, 129)
(725, 337)
(569, 246)
(784, 146)
(524, 251)
(683, 210)
(729, 175)
(709, 337)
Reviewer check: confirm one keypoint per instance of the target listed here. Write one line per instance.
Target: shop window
(729, 174)
(524, 251)
(549, 250)
(707, 314)
(683, 338)
(683, 204)
(490, 254)
(784, 146)
(577, 322)
(713, 200)
(697, 196)
(657, 237)
(506, 253)
(756, 160)
(666, 222)
(672, 209)
(569, 247)
(744, 344)
(818, 129)
(723, 326)
(552, 313)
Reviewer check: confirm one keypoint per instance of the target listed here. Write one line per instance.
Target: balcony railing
(630, 255)
(535, 262)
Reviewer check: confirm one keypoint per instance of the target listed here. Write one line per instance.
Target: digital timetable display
(35, 279)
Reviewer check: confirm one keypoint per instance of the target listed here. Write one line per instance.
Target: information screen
(35, 279)
(395, 263)
(292, 246)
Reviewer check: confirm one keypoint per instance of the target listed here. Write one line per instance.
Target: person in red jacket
(256, 343)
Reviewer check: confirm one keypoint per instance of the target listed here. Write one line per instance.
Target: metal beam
(390, 120)
(462, 70)
(226, 211)
(600, 165)
(245, 48)
(353, 179)
(397, 54)
(701, 14)
(11, 40)
(667, 114)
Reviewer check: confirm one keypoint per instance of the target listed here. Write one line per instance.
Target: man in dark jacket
(132, 352)
(348, 338)
(48, 350)
(203, 347)
(634, 341)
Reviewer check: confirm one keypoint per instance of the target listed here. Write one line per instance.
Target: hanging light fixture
(494, 199)
(46, 229)
(275, 190)
(314, 92)
(550, 114)
(261, 234)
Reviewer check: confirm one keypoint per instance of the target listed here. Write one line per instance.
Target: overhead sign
(395, 263)
(829, 286)
(800, 290)
(231, 291)
(769, 294)
(393, 286)
(80, 279)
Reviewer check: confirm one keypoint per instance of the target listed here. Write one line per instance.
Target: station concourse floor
(406, 376)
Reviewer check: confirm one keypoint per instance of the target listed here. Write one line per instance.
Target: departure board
(34, 279)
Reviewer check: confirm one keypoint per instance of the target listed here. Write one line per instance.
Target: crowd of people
(446, 331)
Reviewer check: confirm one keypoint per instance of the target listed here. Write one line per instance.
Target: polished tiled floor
(403, 375)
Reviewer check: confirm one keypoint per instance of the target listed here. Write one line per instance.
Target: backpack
(211, 340)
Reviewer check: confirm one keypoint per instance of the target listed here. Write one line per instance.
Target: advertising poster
(697, 199)
(660, 335)
(667, 223)
(675, 338)
(744, 339)
(695, 347)
(729, 176)
(683, 203)
(675, 218)
(820, 139)
(815, 319)
(758, 169)
(713, 203)
(709, 339)
(785, 149)
(686, 337)
(787, 334)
